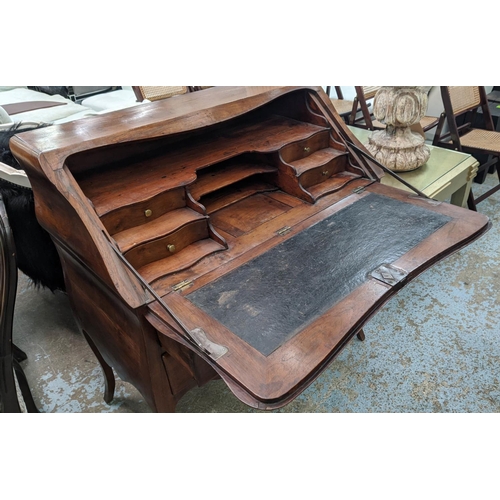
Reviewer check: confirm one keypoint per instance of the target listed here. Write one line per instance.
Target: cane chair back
(369, 92)
(463, 99)
(462, 128)
(342, 106)
(158, 93)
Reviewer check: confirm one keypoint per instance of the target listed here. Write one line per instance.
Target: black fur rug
(37, 256)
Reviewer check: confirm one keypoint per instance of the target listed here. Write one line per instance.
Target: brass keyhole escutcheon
(148, 213)
(325, 173)
(171, 248)
(307, 149)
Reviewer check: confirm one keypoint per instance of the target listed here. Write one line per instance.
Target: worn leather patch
(271, 298)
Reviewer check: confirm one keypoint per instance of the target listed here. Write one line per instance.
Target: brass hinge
(283, 231)
(359, 189)
(182, 285)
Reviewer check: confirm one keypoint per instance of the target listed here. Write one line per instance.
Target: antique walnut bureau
(235, 232)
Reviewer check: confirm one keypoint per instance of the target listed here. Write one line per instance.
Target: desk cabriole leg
(109, 376)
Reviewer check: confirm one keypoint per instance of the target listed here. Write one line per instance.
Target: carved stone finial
(397, 147)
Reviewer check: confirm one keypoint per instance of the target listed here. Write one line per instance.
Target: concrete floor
(433, 348)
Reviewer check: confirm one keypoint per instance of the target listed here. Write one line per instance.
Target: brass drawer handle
(171, 248)
(148, 213)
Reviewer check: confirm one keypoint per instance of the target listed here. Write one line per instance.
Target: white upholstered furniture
(66, 111)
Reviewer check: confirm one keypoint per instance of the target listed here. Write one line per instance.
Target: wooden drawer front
(180, 378)
(186, 361)
(303, 149)
(168, 246)
(146, 211)
(323, 172)
(158, 228)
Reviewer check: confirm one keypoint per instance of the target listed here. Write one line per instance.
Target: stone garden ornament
(397, 147)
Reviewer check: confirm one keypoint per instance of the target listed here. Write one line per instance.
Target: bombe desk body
(232, 232)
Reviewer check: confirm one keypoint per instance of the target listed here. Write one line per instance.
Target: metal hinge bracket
(215, 351)
(389, 275)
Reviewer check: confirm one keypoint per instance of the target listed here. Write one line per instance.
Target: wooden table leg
(361, 335)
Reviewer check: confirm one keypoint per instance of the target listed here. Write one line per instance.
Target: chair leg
(10, 355)
(25, 388)
(361, 335)
(19, 355)
(109, 376)
(8, 393)
(9, 402)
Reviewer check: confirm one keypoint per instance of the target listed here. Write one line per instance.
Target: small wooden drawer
(169, 245)
(130, 216)
(158, 228)
(302, 149)
(321, 168)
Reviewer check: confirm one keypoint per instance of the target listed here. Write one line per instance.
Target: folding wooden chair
(341, 105)
(360, 104)
(468, 132)
(10, 355)
(429, 122)
(197, 87)
(158, 93)
(368, 121)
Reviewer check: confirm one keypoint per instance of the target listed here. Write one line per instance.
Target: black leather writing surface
(269, 299)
